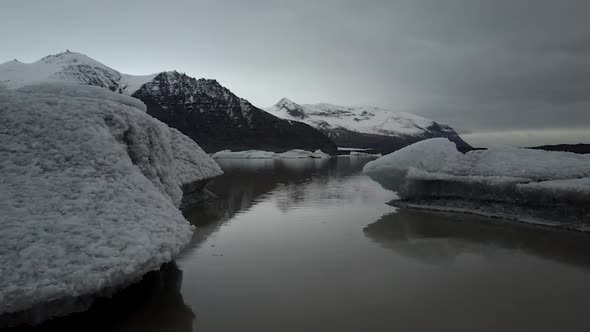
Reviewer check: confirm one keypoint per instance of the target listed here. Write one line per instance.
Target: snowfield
(434, 170)
(365, 128)
(370, 120)
(69, 67)
(256, 154)
(89, 190)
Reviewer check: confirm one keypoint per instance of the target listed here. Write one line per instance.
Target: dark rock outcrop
(217, 119)
(575, 148)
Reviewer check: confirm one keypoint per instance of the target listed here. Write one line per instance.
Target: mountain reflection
(247, 182)
(152, 304)
(440, 238)
(155, 303)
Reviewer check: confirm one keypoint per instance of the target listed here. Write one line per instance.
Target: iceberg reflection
(152, 304)
(439, 238)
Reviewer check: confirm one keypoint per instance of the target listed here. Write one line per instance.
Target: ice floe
(89, 190)
(433, 170)
(257, 154)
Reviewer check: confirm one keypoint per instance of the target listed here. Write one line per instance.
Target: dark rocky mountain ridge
(202, 109)
(217, 119)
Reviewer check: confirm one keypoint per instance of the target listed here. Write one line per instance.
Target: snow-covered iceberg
(297, 154)
(257, 154)
(434, 171)
(358, 154)
(89, 192)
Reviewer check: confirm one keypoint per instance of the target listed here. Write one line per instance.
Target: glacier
(370, 120)
(90, 187)
(377, 129)
(501, 181)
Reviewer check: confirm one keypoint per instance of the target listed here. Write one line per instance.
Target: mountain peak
(62, 55)
(209, 82)
(291, 108)
(14, 62)
(172, 74)
(69, 58)
(284, 100)
(67, 66)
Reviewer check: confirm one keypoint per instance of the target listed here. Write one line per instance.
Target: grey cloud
(476, 64)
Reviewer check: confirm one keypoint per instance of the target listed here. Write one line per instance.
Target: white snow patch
(320, 154)
(69, 67)
(371, 120)
(131, 83)
(247, 154)
(89, 189)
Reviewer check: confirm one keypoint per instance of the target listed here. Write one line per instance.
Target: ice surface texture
(435, 169)
(89, 189)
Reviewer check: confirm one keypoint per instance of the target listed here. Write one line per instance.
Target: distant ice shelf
(357, 154)
(257, 154)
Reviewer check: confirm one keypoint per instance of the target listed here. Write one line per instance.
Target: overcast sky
(518, 66)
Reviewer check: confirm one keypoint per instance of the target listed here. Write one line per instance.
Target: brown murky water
(310, 245)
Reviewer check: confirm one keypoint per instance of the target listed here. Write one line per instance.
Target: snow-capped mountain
(218, 119)
(202, 109)
(69, 67)
(365, 127)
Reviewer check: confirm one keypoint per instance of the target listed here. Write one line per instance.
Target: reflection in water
(281, 249)
(246, 182)
(286, 253)
(152, 304)
(440, 238)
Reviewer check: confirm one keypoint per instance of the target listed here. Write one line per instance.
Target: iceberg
(257, 154)
(247, 154)
(90, 187)
(357, 154)
(320, 154)
(513, 180)
(298, 154)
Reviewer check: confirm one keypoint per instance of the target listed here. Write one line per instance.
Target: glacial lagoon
(311, 245)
